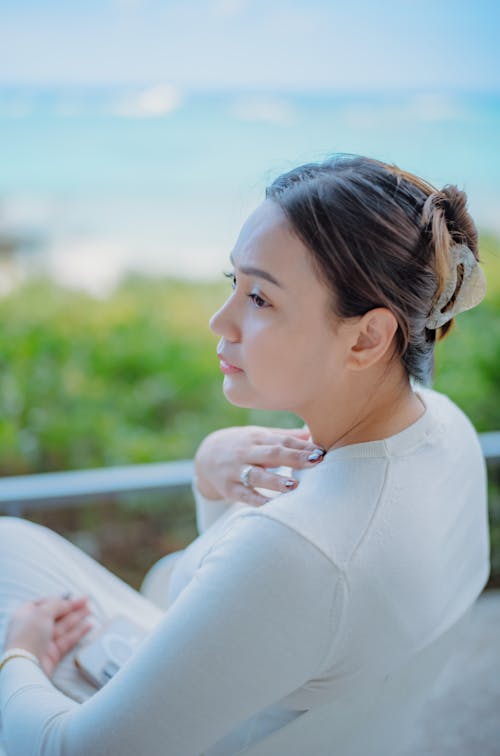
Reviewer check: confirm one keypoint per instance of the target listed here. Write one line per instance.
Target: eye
(232, 277)
(258, 301)
(254, 297)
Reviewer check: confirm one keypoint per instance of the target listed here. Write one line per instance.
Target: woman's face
(279, 347)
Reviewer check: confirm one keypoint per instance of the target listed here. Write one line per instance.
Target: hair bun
(446, 220)
(460, 225)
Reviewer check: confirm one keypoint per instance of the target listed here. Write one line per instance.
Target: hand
(223, 454)
(49, 628)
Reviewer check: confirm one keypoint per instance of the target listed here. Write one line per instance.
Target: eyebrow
(249, 270)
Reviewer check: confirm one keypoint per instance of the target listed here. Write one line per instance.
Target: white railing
(51, 490)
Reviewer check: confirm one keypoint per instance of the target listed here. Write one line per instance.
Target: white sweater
(337, 599)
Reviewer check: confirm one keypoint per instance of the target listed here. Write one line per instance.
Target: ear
(372, 339)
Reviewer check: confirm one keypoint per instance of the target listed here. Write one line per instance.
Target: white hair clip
(466, 276)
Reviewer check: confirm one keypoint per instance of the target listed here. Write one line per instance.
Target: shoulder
(442, 407)
(334, 503)
(452, 427)
(254, 538)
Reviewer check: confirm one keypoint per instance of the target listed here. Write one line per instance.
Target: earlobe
(375, 332)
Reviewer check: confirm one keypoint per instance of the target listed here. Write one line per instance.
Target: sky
(95, 103)
(274, 45)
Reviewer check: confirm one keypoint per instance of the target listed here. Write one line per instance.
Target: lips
(226, 367)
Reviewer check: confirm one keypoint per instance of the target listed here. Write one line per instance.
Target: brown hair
(379, 237)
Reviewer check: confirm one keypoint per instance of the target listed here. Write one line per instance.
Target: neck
(366, 408)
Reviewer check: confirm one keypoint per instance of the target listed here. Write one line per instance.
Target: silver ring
(244, 476)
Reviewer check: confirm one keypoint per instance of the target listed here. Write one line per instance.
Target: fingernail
(315, 455)
(290, 483)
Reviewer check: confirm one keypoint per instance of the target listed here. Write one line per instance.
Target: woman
(312, 622)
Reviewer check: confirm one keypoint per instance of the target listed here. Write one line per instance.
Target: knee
(12, 527)
(8, 523)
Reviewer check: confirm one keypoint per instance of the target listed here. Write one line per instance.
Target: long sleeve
(207, 510)
(256, 621)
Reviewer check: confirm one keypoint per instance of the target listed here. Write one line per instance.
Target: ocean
(95, 183)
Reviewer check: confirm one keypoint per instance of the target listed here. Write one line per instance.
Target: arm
(254, 624)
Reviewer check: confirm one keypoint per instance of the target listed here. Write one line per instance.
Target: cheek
(266, 345)
(283, 358)
(312, 356)
(268, 359)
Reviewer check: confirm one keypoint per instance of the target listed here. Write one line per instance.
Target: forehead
(266, 240)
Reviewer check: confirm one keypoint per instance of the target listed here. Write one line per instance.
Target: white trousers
(35, 561)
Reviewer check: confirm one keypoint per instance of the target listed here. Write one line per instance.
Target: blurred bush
(87, 383)
(468, 359)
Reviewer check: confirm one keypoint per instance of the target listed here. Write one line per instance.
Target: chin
(237, 394)
(245, 400)
(238, 400)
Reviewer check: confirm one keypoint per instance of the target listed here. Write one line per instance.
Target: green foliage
(131, 379)
(468, 359)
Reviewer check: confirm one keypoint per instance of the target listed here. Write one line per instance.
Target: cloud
(152, 102)
(263, 109)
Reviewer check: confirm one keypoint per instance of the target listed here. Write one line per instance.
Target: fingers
(285, 456)
(287, 439)
(70, 629)
(64, 643)
(278, 449)
(70, 621)
(248, 496)
(302, 433)
(57, 607)
(260, 478)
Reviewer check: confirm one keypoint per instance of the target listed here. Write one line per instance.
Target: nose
(223, 322)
